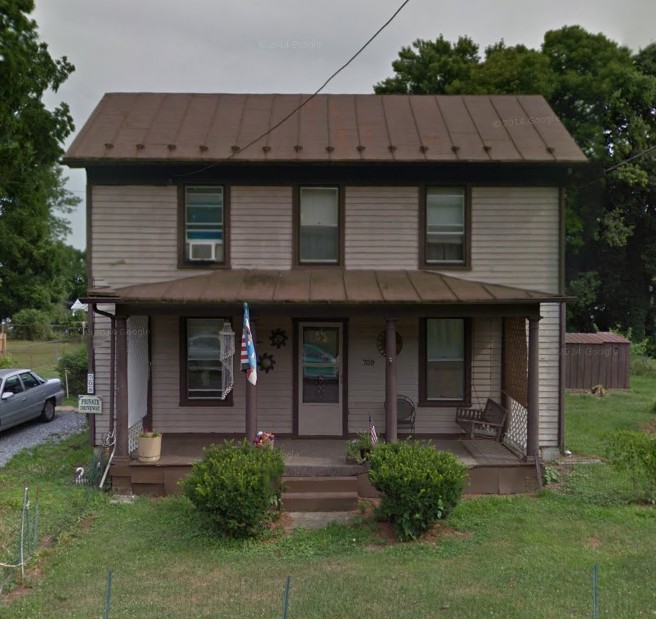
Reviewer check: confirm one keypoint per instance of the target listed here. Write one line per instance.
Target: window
(204, 224)
(12, 385)
(202, 372)
(445, 225)
(29, 380)
(445, 360)
(319, 225)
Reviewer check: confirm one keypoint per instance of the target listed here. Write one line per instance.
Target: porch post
(390, 380)
(122, 448)
(251, 395)
(533, 421)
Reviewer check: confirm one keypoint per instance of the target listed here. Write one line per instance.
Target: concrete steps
(320, 494)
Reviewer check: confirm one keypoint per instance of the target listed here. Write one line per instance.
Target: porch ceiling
(313, 286)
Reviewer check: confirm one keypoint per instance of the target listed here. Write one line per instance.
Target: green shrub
(237, 486)
(31, 324)
(642, 363)
(75, 363)
(635, 453)
(7, 362)
(418, 484)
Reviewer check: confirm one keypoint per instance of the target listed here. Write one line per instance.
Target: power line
(640, 154)
(312, 96)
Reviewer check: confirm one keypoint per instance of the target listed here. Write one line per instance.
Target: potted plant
(359, 449)
(149, 446)
(264, 440)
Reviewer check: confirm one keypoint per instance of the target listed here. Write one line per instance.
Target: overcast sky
(284, 46)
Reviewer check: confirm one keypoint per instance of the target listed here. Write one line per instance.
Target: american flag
(248, 358)
(372, 431)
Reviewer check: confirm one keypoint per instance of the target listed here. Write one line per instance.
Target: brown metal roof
(184, 127)
(322, 286)
(603, 337)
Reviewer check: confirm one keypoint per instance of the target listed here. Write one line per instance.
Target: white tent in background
(78, 306)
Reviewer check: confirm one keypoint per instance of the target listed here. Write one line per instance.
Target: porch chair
(405, 413)
(486, 423)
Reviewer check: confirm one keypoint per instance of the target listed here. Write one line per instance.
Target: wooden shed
(596, 359)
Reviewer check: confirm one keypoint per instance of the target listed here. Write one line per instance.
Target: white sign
(91, 383)
(89, 405)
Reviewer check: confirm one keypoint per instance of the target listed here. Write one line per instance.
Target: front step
(320, 494)
(320, 501)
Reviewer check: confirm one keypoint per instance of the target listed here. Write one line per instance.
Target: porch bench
(486, 423)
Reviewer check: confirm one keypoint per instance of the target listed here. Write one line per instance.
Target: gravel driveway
(32, 433)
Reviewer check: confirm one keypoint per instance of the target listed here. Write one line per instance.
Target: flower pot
(149, 448)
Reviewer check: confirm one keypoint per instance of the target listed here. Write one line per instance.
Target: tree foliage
(32, 194)
(605, 94)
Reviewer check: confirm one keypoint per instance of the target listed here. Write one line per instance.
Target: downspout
(112, 363)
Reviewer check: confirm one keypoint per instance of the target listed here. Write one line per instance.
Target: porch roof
(308, 286)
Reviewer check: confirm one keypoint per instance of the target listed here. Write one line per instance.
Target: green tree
(32, 193)
(605, 94)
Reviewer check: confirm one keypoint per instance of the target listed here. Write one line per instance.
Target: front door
(320, 381)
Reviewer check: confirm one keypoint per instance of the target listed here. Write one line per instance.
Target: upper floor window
(204, 224)
(319, 241)
(445, 226)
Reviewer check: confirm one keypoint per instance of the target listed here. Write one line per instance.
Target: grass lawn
(589, 418)
(525, 556)
(39, 356)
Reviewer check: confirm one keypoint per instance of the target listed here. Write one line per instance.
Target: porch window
(202, 371)
(319, 225)
(445, 360)
(204, 224)
(445, 226)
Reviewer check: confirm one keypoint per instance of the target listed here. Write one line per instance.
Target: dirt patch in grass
(649, 428)
(441, 531)
(594, 542)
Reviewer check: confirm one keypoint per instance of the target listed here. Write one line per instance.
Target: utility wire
(640, 154)
(312, 96)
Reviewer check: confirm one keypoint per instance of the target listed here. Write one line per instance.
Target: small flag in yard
(248, 358)
(372, 432)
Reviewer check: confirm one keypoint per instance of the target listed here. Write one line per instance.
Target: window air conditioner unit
(202, 250)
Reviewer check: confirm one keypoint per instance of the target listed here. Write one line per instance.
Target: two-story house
(386, 245)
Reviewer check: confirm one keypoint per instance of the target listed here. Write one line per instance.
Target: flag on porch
(372, 431)
(248, 357)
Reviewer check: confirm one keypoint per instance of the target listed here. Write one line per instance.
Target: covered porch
(501, 360)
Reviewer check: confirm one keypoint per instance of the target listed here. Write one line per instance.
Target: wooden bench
(487, 423)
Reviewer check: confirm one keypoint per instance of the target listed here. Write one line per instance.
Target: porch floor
(185, 449)
(492, 468)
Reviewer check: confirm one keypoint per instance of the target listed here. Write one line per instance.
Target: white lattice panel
(516, 431)
(133, 433)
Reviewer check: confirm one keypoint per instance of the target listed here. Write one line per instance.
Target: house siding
(261, 227)
(134, 235)
(549, 374)
(274, 391)
(381, 227)
(514, 241)
(101, 358)
(515, 237)
(515, 233)
(367, 382)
